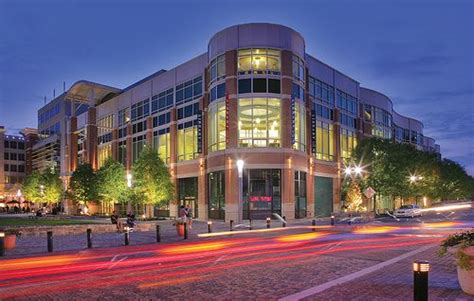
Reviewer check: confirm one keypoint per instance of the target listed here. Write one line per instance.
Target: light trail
(447, 208)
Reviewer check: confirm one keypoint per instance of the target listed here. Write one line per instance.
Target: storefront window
(217, 126)
(104, 151)
(262, 193)
(300, 126)
(187, 141)
(324, 141)
(300, 194)
(259, 61)
(348, 143)
(217, 195)
(259, 122)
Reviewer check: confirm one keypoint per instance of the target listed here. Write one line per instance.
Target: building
(15, 162)
(256, 96)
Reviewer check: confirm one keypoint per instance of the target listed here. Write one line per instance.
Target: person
(131, 220)
(182, 213)
(189, 216)
(114, 218)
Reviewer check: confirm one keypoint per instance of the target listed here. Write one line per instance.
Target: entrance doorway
(188, 193)
(261, 193)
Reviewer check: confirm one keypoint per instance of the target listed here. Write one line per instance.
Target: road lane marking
(322, 287)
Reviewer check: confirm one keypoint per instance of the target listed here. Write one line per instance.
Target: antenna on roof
(54, 93)
(64, 86)
(45, 100)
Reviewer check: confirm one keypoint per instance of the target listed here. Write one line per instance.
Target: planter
(10, 241)
(180, 229)
(466, 277)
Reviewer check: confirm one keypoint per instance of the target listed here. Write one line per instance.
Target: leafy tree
(353, 197)
(31, 187)
(53, 186)
(111, 182)
(151, 178)
(83, 185)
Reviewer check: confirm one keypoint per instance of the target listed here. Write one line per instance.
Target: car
(408, 211)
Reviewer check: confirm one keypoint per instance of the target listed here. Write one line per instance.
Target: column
(173, 160)
(92, 138)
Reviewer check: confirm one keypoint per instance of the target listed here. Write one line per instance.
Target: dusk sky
(419, 53)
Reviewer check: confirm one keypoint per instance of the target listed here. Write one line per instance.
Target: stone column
(149, 131)
(73, 138)
(92, 138)
(173, 160)
(115, 144)
(310, 188)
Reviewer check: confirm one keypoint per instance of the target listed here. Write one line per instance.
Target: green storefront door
(322, 196)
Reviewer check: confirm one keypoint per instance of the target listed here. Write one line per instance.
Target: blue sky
(420, 53)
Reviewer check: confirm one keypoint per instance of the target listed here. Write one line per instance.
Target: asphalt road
(253, 266)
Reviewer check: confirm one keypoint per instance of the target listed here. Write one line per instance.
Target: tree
(111, 182)
(151, 178)
(32, 187)
(52, 186)
(353, 197)
(83, 185)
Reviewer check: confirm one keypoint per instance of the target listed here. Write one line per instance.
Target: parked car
(408, 211)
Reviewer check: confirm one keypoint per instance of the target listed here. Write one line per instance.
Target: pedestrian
(114, 218)
(189, 216)
(182, 213)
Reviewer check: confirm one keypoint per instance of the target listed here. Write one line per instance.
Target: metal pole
(89, 238)
(332, 220)
(268, 222)
(284, 224)
(250, 223)
(50, 241)
(209, 225)
(127, 236)
(241, 209)
(231, 225)
(158, 236)
(2, 244)
(185, 230)
(421, 269)
(313, 223)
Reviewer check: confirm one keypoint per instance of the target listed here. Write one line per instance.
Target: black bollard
(89, 238)
(158, 236)
(284, 224)
(2, 244)
(209, 225)
(313, 223)
(268, 222)
(421, 269)
(250, 225)
(50, 241)
(127, 236)
(332, 220)
(231, 225)
(185, 230)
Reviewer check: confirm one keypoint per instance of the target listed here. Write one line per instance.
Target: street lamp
(129, 180)
(355, 170)
(240, 168)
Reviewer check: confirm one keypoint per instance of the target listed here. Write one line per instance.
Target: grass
(12, 221)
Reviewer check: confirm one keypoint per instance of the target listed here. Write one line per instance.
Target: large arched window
(259, 122)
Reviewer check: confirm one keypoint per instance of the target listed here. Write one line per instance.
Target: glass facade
(259, 122)
(137, 146)
(103, 153)
(216, 207)
(300, 127)
(348, 142)
(324, 141)
(259, 61)
(300, 194)
(217, 126)
(262, 193)
(161, 143)
(217, 68)
(187, 141)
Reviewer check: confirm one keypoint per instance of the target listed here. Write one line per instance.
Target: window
(259, 85)
(217, 126)
(6, 156)
(189, 90)
(13, 156)
(300, 194)
(123, 116)
(259, 61)
(139, 127)
(21, 145)
(187, 141)
(162, 101)
(217, 92)
(217, 68)
(300, 126)
(347, 102)
(216, 195)
(297, 92)
(21, 168)
(324, 112)
(321, 91)
(298, 68)
(6, 167)
(161, 143)
(104, 129)
(259, 122)
(122, 132)
(103, 153)
(324, 141)
(161, 119)
(137, 146)
(406, 135)
(13, 168)
(414, 137)
(140, 109)
(122, 152)
(188, 111)
(13, 144)
(348, 142)
(347, 120)
(50, 113)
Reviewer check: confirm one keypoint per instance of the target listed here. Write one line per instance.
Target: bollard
(89, 238)
(185, 230)
(209, 225)
(2, 244)
(313, 223)
(231, 225)
(268, 222)
(421, 269)
(127, 235)
(250, 224)
(332, 220)
(158, 236)
(50, 241)
(284, 224)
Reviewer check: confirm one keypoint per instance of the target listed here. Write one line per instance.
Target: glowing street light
(355, 170)
(358, 170)
(129, 180)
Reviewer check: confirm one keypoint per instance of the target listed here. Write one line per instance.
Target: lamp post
(240, 168)
(129, 185)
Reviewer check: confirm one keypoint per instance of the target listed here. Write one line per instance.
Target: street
(342, 262)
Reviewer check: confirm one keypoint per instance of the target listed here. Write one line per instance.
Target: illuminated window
(137, 146)
(217, 68)
(348, 142)
(259, 61)
(217, 126)
(324, 141)
(103, 153)
(122, 152)
(187, 141)
(300, 126)
(259, 122)
(161, 143)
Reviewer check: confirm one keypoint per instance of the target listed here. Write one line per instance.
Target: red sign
(260, 198)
